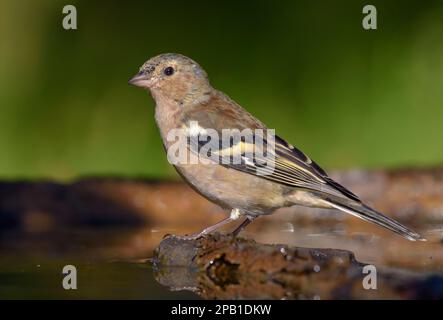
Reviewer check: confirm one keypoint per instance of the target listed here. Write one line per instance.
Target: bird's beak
(141, 79)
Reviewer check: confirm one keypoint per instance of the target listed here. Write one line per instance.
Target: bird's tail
(364, 212)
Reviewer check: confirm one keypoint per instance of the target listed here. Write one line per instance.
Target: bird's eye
(169, 71)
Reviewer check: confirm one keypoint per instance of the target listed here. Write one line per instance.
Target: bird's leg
(243, 225)
(235, 214)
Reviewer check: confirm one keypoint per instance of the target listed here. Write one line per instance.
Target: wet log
(222, 267)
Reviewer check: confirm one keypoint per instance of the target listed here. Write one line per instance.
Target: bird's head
(172, 76)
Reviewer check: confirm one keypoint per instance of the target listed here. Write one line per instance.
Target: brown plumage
(183, 95)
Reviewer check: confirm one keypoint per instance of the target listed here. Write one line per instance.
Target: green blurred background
(347, 96)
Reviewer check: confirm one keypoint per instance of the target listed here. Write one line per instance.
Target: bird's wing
(294, 160)
(276, 160)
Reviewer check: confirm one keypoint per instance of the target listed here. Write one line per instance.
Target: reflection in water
(112, 264)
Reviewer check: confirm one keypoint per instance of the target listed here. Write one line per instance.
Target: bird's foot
(235, 214)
